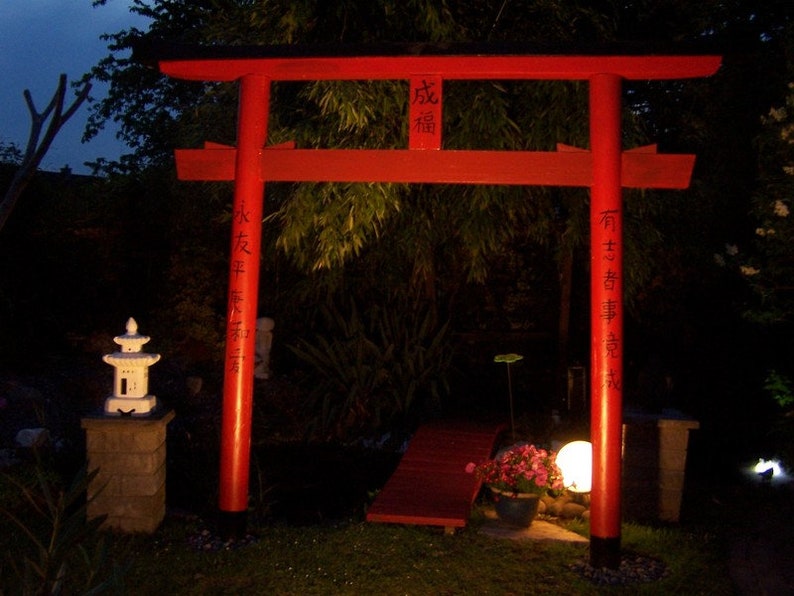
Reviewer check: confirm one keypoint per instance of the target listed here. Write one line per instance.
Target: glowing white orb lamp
(575, 461)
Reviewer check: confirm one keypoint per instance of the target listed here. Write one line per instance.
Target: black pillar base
(232, 524)
(604, 552)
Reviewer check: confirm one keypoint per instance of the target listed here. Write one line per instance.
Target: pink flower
(522, 468)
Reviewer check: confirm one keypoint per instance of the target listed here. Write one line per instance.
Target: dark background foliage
(490, 266)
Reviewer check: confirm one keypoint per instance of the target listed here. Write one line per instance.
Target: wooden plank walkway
(430, 485)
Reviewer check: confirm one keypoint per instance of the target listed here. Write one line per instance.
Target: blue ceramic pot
(516, 510)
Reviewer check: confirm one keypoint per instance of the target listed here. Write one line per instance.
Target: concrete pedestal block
(654, 466)
(674, 442)
(130, 455)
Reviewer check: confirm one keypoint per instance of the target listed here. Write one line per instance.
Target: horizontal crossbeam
(641, 168)
(464, 67)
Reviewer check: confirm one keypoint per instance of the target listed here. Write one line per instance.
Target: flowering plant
(521, 469)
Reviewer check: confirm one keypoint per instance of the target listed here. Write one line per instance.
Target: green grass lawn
(343, 557)
(360, 558)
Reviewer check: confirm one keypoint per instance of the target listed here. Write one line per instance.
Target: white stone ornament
(264, 341)
(131, 375)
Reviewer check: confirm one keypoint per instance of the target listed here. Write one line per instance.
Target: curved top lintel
(299, 63)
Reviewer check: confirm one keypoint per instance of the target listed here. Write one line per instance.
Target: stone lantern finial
(132, 327)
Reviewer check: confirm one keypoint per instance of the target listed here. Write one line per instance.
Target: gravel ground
(634, 569)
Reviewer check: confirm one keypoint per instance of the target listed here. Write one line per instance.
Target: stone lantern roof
(131, 341)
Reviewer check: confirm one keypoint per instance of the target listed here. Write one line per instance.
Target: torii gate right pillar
(606, 319)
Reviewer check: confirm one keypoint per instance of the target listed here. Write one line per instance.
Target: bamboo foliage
(374, 370)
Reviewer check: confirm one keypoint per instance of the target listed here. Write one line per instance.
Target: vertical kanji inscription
(424, 113)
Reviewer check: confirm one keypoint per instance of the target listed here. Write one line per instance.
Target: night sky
(39, 40)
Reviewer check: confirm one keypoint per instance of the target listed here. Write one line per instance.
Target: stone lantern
(131, 376)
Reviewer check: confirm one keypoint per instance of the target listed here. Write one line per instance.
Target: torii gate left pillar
(242, 304)
(606, 169)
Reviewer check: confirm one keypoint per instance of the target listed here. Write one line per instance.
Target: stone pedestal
(130, 486)
(674, 442)
(654, 466)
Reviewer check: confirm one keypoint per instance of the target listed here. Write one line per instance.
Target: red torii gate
(605, 168)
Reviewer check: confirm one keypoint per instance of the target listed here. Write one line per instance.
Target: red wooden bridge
(431, 486)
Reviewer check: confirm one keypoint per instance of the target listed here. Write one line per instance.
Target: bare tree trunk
(37, 147)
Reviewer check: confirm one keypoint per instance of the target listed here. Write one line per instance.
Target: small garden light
(575, 459)
(768, 468)
(768, 471)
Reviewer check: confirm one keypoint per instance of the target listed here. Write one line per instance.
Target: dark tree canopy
(437, 243)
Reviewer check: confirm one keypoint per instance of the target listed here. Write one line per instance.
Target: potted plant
(517, 477)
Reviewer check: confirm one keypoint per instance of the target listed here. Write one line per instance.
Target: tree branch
(35, 149)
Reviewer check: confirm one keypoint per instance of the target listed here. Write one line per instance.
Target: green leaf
(508, 358)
